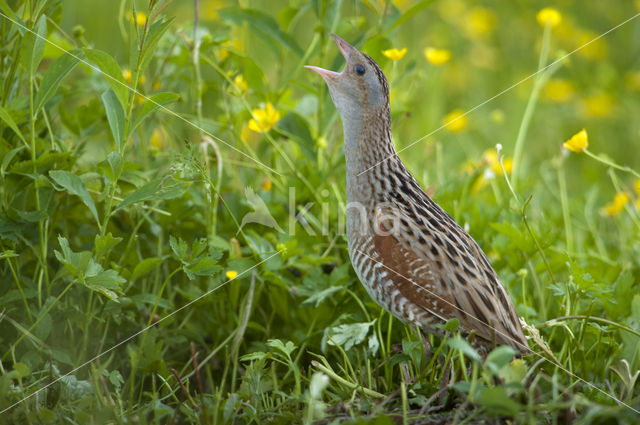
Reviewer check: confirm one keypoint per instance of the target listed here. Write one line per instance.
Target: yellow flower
(548, 16)
(482, 182)
(221, 54)
(599, 105)
(437, 57)
(452, 10)
(139, 20)
(395, 54)
(559, 91)
(480, 23)
(636, 186)
(578, 142)
(158, 139)
(240, 83)
(264, 119)
(497, 116)
(157, 85)
(638, 203)
(266, 184)
(491, 158)
(619, 201)
(231, 274)
(321, 142)
(455, 121)
(593, 49)
(128, 77)
(632, 79)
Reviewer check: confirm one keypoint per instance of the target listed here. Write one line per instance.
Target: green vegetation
(132, 291)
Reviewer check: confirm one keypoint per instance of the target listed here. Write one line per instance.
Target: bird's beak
(324, 73)
(345, 49)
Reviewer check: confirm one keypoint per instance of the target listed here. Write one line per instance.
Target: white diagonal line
(148, 99)
(573, 375)
(502, 92)
(129, 338)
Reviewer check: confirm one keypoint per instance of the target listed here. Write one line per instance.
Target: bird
(411, 256)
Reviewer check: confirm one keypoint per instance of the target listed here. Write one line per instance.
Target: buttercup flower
(240, 83)
(395, 54)
(266, 184)
(548, 16)
(599, 105)
(455, 121)
(231, 274)
(594, 48)
(558, 90)
(437, 57)
(491, 157)
(128, 77)
(636, 186)
(578, 142)
(158, 139)
(480, 22)
(264, 119)
(617, 205)
(140, 18)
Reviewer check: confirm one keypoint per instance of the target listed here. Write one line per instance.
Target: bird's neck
(367, 145)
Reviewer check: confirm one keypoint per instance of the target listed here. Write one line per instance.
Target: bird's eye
(360, 69)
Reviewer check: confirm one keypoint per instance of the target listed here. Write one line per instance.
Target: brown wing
(446, 274)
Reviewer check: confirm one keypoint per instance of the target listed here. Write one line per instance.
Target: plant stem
(612, 164)
(541, 78)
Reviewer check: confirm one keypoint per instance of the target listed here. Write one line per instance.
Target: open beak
(345, 49)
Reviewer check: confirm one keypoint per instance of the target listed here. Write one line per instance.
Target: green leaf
(410, 13)
(206, 266)
(115, 116)
(6, 160)
(348, 335)
(74, 185)
(155, 190)
(297, 128)
(59, 69)
(256, 355)
(145, 266)
(104, 244)
(463, 346)
(148, 192)
(109, 279)
(21, 369)
(262, 24)
(156, 101)
(77, 263)
(6, 117)
(497, 401)
(112, 72)
(156, 31)
(452, 324)
(514, 371)
(115, 162)
(179, 247)
(287, 348)
(498, 358)
(33, 45)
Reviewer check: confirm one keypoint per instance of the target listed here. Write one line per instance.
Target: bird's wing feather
(441, 274)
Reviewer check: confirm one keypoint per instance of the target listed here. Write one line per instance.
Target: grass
(133, 291)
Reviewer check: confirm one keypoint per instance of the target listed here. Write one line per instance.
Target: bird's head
(360, 88)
